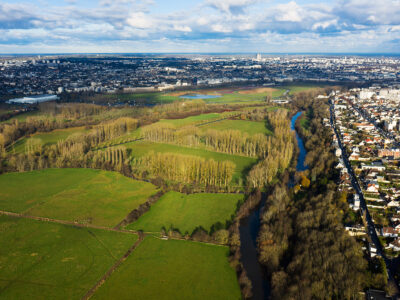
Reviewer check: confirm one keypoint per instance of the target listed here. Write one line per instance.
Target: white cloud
(140, 20)
(324, 25)
(182, 28)
(231, 6)
(221, 28)
(289, 12)
(244, 24)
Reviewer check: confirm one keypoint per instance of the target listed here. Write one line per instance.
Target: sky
(200, 26)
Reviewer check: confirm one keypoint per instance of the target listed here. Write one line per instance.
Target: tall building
(258, 56)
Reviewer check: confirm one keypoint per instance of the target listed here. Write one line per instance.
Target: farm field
(293, 89)
(233, 96)
(250, 127)
(22, 117)
(241, 98)
(81, 195)
(48, 138)
(159, 269)
(40, 260)
(199, 119)
(186, 212)
(243, 163)
(147, 98)
(193, 120)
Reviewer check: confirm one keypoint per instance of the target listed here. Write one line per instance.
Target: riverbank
(249, 231)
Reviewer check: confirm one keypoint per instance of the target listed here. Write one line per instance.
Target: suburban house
(389, 232)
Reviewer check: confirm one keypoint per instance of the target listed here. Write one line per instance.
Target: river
(249, 228)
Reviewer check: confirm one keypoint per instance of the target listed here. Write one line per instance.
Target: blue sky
(78, 26)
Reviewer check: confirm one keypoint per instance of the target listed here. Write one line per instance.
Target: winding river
(249, 228)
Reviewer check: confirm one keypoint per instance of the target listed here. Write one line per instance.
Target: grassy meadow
(196, 120)
(173, 269)
(186, 212)
(40, 260)
(22, 117)
(227, 96)
(81, 195)
(47, 138)
(243, 164)
(250, 127)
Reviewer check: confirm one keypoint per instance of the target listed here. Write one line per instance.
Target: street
(390, 264)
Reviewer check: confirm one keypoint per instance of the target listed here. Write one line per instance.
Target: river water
(249, 228)
(302, 154)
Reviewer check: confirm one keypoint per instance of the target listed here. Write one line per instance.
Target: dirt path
(112, 269)
(17, 215)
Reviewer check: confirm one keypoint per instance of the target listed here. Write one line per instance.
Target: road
(390, 265)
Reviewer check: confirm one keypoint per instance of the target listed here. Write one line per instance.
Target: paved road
(390, 266)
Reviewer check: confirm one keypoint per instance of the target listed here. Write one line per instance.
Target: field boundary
(113, 268)
(63, 222)
(135, 214)
(70, 223)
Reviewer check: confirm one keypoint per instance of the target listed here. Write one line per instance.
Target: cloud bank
(206, 26)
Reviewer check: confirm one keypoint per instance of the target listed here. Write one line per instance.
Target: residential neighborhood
(367, 123)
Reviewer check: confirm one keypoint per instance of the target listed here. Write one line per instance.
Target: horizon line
(204, 53)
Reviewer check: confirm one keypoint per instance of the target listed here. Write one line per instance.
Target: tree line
(185, 168)
(280, 153)
(57, 116)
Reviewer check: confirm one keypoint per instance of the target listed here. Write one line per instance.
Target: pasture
(81, 195)
(22, 117)
(40, 260)
(173, 269)
(186, 212)
(47, 138)
(250, 127)
(293, 89)
(196, 120)
(243, 164)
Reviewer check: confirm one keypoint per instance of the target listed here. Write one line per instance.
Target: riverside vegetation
(302, 242)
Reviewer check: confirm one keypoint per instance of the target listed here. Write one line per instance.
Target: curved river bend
(249, 228)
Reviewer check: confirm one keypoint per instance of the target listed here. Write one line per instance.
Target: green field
(40, 260)
(22, 117)
(48, 138)
(243, 163)
(186, 212)
(303, 88)
(81, 195)
(193, 120)
(238, 98)
(148, 98)
(249, 127)
(173, 269)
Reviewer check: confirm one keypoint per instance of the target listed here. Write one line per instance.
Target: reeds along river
(250, 226)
